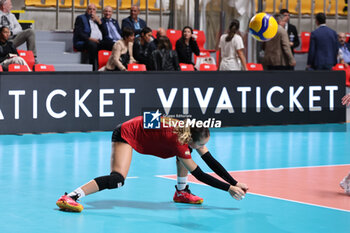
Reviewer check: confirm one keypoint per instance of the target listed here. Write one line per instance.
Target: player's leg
(120, 164)
(183, 193)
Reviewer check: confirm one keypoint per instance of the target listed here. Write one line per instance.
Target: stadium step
(56, 48)
(60, 58)
(50, 47)
(73, 67)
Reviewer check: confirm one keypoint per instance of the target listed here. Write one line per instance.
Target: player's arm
(218, 168)
(191, 166)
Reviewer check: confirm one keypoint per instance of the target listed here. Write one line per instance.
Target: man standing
(291, 30)
(111, 27)
(133, 21)
(88, 34)
(17, 35)
(323, 49)
(278, 55)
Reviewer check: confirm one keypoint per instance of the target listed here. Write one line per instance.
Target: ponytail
(233, 29)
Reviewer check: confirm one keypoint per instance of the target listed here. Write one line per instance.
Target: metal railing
(326, 5)
(73, 11)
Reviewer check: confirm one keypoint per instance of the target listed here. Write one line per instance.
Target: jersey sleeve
(183, 151)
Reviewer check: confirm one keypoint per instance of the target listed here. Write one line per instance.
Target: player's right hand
(346, 100)
(236, 192)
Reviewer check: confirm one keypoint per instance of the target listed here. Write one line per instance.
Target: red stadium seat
(103, 56)
(347, 72)
(17, 68)
(28, 56)
(154, 34)
(217, 53)
(186, 67)
(347, 37)
(173, 36)
(136, 67)
(207, 67)
(43, 67)
(305, 43)
(1, 69)
(254, 66)
(200, 39)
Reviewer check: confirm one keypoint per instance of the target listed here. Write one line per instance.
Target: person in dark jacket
(111, 28)
(291, 30)
(8, 52)
(88, 34)
(164, 58)
(134, 22)
(187, 45)
(324, 46)
(143, 48)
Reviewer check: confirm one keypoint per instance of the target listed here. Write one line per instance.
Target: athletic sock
(181, 182)
(78, 193)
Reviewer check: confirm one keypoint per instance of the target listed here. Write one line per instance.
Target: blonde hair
(184, 135)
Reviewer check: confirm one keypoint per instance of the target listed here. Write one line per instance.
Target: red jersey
(161, 142)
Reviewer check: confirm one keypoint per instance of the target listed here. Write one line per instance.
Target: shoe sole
(63, 205)
(191, 202)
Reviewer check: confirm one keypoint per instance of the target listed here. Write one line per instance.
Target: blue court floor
(35, 170)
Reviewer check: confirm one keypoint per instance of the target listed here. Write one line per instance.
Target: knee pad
(114, 180)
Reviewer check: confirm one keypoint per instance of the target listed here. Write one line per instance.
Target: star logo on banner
(156, 115)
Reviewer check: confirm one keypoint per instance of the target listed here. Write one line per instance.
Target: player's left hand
(243, 186)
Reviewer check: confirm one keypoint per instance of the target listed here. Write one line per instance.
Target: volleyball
(263, 27)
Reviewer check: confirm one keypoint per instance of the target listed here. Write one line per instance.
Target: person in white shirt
(232, 49)
(18, 36)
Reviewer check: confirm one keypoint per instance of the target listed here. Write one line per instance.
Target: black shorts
(117, 134)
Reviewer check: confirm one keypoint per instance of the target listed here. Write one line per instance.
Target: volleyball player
(345, 183)
(165, 142)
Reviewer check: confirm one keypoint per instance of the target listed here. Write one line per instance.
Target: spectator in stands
(143, 48)
(88, 34)
(278, 55)
(121, 53)
(291, 30)
(8, 52)
(324, 48)
(164, 58)
(18, 36)
(133, 21)
(187, 45)
(160, 32)
(232, 49)
(111, 28)
(344, 49)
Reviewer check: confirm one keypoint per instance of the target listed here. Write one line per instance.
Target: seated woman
(187, 45)
(121, 53)
(143, 48)
(163, 57)
(8, 53)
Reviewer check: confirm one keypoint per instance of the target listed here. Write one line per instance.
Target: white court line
(132, 177)
(283, 199)
(300, 202)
